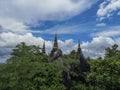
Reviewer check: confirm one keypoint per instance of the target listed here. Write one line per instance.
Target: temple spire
(79, 48)
(56, 53)
(55, 46)
(79, 51)
(85, 67)
(43, 49)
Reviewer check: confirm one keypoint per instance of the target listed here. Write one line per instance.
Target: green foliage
(29, 69)
(111, 51)
(72, 54)
(49, 77)
(105, 73)
(22, 49)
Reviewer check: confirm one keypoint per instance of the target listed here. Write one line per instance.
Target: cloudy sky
(96, 23)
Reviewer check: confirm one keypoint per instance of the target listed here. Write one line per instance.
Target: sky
(96, 23)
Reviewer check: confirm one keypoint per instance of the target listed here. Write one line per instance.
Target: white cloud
(96, 48)
(11, 25)
(15, 15)
(93, 49)
(9, 40)
(110, 32)
(100, 24)
(66, 46)
(108, 8)
(34, 10)
(118, 42)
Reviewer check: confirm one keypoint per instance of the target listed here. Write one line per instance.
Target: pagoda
(84, 66)
(56, 53)
(43, 49)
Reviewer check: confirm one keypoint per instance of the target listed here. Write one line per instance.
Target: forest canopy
(29, 69)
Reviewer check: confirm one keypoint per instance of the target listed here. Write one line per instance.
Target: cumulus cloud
(108, 8)
(96, 48)
(66, 46)
(11, 25)
(9, 40)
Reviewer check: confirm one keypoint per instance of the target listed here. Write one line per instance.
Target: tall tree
(109, 52)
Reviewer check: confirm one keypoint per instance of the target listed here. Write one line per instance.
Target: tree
(72, 54)
(109, 52)
(104, 73)
(22, 49)
(28, 69)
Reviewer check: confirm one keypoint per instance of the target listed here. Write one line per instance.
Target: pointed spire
(56, 53)
(55, 42)
(43, 49)
(79, 51)
(79, 48)
(78, 43)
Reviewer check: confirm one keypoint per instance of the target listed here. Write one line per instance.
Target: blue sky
(96, 23)
(85, 23)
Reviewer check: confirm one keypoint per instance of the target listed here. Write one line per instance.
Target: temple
(84, 66)
(56, 53)
(43, 49)
(79, 51)
(79, 54)
(55, 47)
